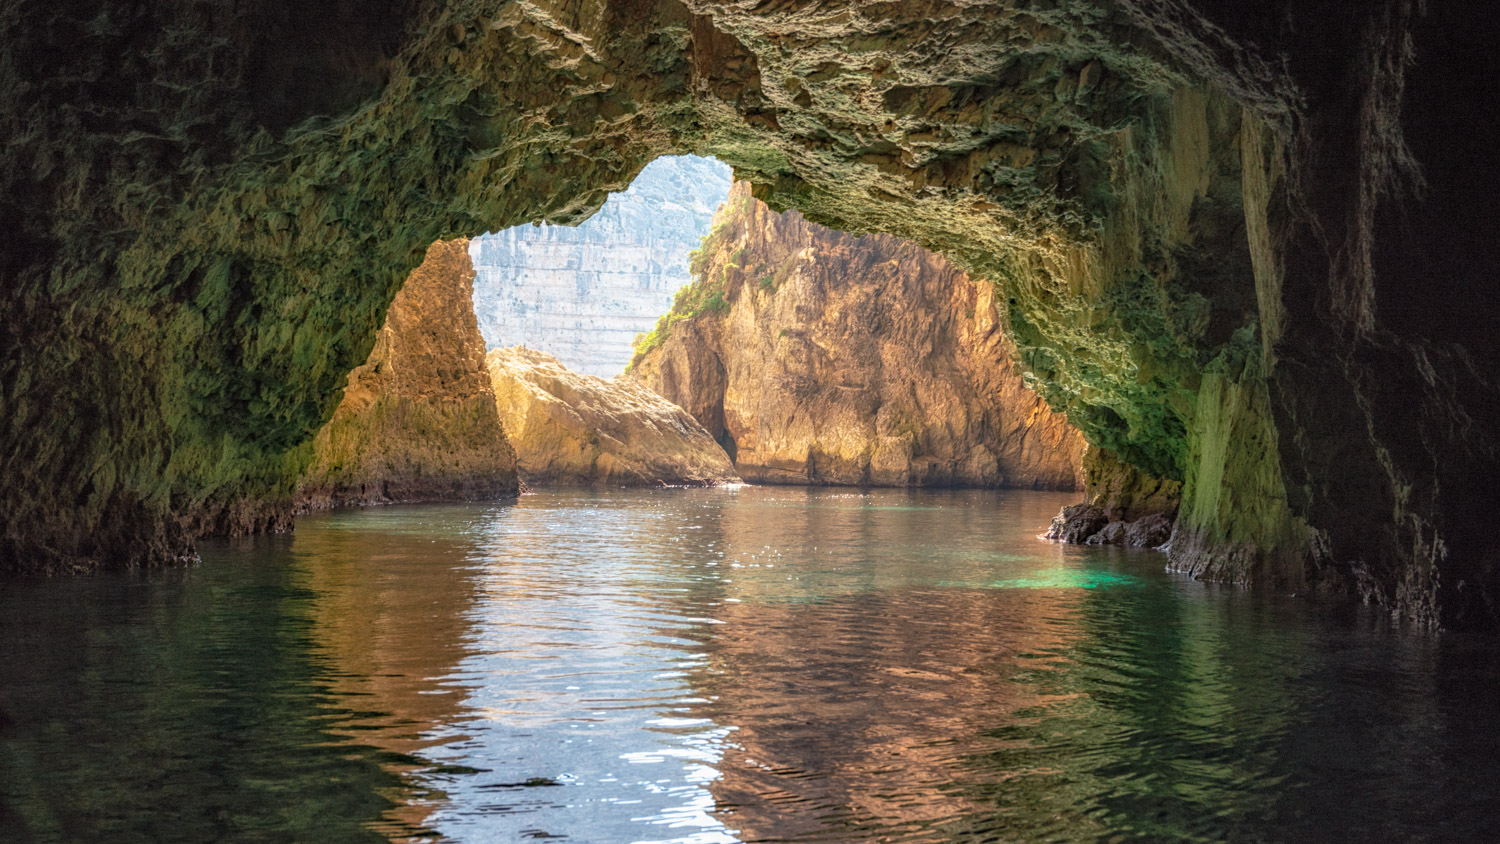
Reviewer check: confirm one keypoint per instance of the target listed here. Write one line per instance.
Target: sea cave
(697, 421)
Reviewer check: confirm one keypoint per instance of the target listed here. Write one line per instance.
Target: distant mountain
(582, 293)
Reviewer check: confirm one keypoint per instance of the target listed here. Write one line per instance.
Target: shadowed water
(754, 664)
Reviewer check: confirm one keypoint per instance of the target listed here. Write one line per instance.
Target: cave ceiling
(1182, 207)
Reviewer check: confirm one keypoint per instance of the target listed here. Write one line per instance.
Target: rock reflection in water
(394, 587)
(723, 665)
(858, 679)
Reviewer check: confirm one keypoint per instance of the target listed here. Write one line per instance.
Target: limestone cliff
(581, 293)
(417, 421)
(1242, 244)
(574, 429)
(820, 357)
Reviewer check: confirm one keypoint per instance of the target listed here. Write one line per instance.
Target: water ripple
(750, 664)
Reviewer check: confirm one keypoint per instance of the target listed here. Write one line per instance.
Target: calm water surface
(724, 665)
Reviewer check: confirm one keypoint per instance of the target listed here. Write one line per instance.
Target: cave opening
(1238, 249)
(687, 334)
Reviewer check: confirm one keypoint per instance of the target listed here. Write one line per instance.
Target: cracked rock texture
(575, 429)
(418, 420)
(583, 292)
(1242, 245)
(1123, 506)
(819, 357)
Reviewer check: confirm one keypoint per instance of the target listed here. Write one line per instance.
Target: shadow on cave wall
(210, 210)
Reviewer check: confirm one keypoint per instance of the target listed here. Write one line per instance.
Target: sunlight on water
(1056, 579)
(742, 664)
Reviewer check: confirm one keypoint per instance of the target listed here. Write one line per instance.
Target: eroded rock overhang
(1185, 211)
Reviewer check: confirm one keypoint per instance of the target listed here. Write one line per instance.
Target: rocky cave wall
(1241, 244)
(820, 357)
(418, 420)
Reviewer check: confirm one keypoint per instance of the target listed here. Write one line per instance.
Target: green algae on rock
(417, 421)
(209, 211)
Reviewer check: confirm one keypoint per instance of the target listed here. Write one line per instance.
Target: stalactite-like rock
(418, 420)
(820, 357)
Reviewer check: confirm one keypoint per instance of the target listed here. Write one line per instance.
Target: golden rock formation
(418, 420)
(569, 428)
(816, 356)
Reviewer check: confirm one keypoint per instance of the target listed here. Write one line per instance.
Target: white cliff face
(582, 293)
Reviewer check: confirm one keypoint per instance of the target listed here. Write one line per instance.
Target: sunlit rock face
(1235, 256)
(417, 421)
(820, 357)
(581, 430)
(582, 293)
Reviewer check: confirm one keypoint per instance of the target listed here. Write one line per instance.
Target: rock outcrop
(1122, 506)
(574, 429)
(418, 420)
(1233, 255)
(1086, 524)
(1076, 523)
(819, 357)
(582, 293)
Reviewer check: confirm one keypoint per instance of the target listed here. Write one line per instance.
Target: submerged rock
(817, 356)
(569, 428)
(417, 421)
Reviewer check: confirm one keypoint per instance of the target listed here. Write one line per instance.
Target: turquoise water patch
(1055, 579)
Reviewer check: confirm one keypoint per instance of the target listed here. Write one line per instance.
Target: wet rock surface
(1151, 531)
(417, 421)
(1147, 532)
(574, 429)
(819, 357)
(1123, 506)
(1233, 256)
(1077, 522)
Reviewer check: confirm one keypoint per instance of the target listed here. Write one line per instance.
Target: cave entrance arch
(211, 231)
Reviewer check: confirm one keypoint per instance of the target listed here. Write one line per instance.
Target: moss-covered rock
(209, 209)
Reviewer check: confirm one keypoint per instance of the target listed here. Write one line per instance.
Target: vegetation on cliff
(816, 356)
(583, 292)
